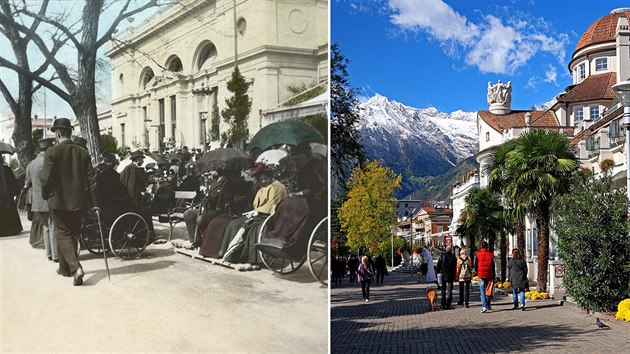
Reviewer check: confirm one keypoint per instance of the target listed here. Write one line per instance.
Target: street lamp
(622, 90)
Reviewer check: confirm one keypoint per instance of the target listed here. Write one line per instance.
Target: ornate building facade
(169, 76)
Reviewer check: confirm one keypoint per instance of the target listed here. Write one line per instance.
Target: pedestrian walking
(39, 206)
(430, 277)
(464, 276)
(11, 224)
(447, 265)
(69, 185)
(381, 268)
(484, 266)
(353, 266)
(517, 276)
(341, 269)
(365, 276)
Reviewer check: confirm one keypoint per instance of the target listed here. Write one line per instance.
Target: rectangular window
(582, 71)
(122, 134)
(601, 64)
(162, 126)
(578, 114)
(594, 112)
(487, 136)
(173, 116)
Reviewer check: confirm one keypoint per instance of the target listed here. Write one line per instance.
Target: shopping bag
(490, 289)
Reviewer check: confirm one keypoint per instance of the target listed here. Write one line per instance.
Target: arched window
(146, 76)
(207, 53)
(174, 64)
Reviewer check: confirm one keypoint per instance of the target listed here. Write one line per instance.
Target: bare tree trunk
(22, 134)
(542, 223)
(503, 248)
(520, 234)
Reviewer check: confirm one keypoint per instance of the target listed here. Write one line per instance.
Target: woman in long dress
(426, 256)
(10, 223)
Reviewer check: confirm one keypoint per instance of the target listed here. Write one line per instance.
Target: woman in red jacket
(484, 265)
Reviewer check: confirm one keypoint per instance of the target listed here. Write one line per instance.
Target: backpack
(465, 269)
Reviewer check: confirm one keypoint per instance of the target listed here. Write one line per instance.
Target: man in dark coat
(133, 178)
(11, 224)
(447, 265)
(353, 266)
(66, 177)
(113, 196)
(381, 268)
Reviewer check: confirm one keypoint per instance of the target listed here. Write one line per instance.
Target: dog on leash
(432, 297)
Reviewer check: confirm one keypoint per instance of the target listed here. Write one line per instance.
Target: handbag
(490, 289)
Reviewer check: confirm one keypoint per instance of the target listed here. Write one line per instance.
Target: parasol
(6, 148)
(225, 159)
(318, 148)
(271, 157)
(285, 132)
(159, 158)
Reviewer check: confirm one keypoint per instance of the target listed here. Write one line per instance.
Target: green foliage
(237, 111)
(482, 218)
(369, 212)
(301, 93)
(215, 120)
(37, 135)
(110, 144)
(346, 150)
(592, 227)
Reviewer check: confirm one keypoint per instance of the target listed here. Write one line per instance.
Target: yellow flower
(620, 315)
(624, 305)
(506, 284)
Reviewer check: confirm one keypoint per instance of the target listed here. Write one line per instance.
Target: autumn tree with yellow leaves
(370, 209)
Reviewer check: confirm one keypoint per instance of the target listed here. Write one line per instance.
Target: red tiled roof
(602, 30)
(594, 87)
(500, 122)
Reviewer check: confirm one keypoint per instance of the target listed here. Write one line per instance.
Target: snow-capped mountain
(417, 142)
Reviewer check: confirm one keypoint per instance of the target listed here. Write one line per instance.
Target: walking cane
(100, 229)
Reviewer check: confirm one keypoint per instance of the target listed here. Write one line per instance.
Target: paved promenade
(397, 320)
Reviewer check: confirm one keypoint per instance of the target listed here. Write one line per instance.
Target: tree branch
(121, 16)
(20, 70)
(54, 23)
(7, 96)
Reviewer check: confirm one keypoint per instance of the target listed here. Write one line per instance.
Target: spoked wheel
(91, 237)
(272, 252)
(129, 236)
(318, 252)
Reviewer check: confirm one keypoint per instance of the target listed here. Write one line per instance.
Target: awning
(314, 106)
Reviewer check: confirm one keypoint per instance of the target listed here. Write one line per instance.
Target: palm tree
(540, 166)
(481, 217)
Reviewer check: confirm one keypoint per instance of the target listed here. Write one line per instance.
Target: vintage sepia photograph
(164, 175)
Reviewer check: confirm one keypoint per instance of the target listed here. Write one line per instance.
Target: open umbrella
(6, 148)
(223, 158)
(159, 158)
(271, 157)
(318, 148)
(285, 132)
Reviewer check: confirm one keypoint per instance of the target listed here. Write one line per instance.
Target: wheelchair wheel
(129, 236)
(90, 238)
(318, 252)
(273, 255)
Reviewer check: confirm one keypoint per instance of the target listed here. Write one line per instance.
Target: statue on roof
(500, 93)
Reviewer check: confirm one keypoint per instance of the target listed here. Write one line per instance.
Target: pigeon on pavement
(600, 324)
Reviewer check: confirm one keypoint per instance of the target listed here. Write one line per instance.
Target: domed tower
(601, 58)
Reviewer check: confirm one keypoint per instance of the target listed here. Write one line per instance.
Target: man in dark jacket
(66, 177)
(381, 268)
(447, 265)
(353, 266)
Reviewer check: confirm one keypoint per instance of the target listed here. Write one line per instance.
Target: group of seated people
(231, 209)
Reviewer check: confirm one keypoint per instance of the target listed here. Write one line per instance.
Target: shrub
(592, 227)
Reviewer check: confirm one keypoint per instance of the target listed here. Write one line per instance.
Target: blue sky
(434, 53)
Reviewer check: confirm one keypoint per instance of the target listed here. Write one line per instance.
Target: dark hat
(137, 154)
(61, 123)
(46, 143)
(80, 141)
(108, 157)
(259, 168)
(302, 148)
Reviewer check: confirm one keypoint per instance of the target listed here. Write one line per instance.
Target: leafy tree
(481, 218)
(109, 144)
(540, 167)
(369, 211)
(346, 149)
(237, 111)
(592, 227)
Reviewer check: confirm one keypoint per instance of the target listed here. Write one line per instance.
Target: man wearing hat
(66, 176)
(80, 141)
(132, 177)
(39, 206)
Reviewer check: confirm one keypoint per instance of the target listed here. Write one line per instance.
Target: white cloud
(551, 75)
(492, 45)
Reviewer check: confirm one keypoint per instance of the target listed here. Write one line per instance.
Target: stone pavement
(397, 320)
